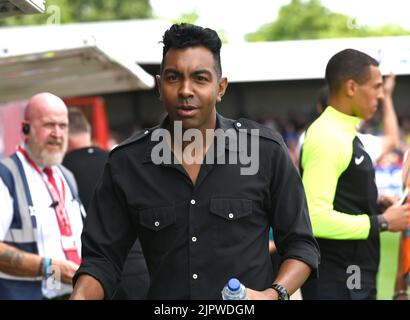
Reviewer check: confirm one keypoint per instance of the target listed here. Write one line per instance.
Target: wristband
(383, 224)
(47, 262)
(40, 267)
(281, 290)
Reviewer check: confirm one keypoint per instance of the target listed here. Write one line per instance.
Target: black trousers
(332, 284)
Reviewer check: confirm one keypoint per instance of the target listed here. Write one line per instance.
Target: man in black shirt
(200, 220)
(87, 164)
(84, 160)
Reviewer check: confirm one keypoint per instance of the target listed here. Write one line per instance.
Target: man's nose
(381, 94)
(185, 89)
(57, 131)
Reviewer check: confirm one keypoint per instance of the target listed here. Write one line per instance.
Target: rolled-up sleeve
(107, 235)
(290, 217)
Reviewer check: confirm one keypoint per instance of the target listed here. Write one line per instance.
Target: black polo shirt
(196, 237)
(87, 165)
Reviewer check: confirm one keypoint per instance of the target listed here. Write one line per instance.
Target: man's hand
(268, 294)
(391, 136)
(67, 270)
(292, 274)
(87, 288)
(385, 201)
(389, 84)
(398, 217)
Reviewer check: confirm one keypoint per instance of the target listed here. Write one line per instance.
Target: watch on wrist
(383, 224)
(281, 290)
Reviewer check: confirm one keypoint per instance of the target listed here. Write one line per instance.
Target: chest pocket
(230, 221)
(231, 209)
(157, 219)
(157, 229)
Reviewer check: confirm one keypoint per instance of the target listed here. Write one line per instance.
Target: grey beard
(45, 159)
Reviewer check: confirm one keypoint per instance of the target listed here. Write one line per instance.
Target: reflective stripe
(72, 184)
(19, 236)
(26, 233)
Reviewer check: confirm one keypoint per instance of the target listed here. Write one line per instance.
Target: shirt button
(146, 132)
(230, 215)
(193, 201)
(156, 223)
(238, 124)
(194, 276)
(193, 239)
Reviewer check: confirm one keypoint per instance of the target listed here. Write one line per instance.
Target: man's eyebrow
(194, 73)
(202, 71)
(171, 70)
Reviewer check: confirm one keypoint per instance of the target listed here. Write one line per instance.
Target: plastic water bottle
(234, 290)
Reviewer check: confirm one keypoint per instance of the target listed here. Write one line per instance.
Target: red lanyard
(67, 241)
(52, 189)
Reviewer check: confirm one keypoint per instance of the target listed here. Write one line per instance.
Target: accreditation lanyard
(67, 241)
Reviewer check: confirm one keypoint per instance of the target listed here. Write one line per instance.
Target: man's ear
(223, 84)
(158, 80)
(350, 87)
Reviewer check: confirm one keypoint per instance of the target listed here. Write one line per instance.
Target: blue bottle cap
(234, 284)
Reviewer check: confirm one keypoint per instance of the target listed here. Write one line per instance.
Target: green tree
(187, 17)
(192, 18)
(90, 10)
(311, 20)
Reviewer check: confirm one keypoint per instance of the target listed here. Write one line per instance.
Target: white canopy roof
(102, 57)
(307, 59)
(70, 60)
(10, 8)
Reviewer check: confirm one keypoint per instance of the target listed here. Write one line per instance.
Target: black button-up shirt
(196, 237)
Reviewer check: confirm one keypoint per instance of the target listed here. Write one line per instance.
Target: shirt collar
(221, 123)
(351, 121)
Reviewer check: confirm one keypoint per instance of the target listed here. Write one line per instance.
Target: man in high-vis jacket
(338, 177)
(41, 215)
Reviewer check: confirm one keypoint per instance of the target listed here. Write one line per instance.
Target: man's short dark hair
(348, 64)
(77, 122)
(187, 35)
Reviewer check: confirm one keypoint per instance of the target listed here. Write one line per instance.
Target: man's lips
(187, 111)
(54, 144)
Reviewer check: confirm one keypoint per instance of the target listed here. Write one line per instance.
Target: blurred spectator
(84, 160)
(388, 174)
(87, 163)
(403, 266)
(405, 126)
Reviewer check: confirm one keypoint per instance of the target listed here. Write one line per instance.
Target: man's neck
(78, 142)
(36, 159)
(341, 105)
(199, 143)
